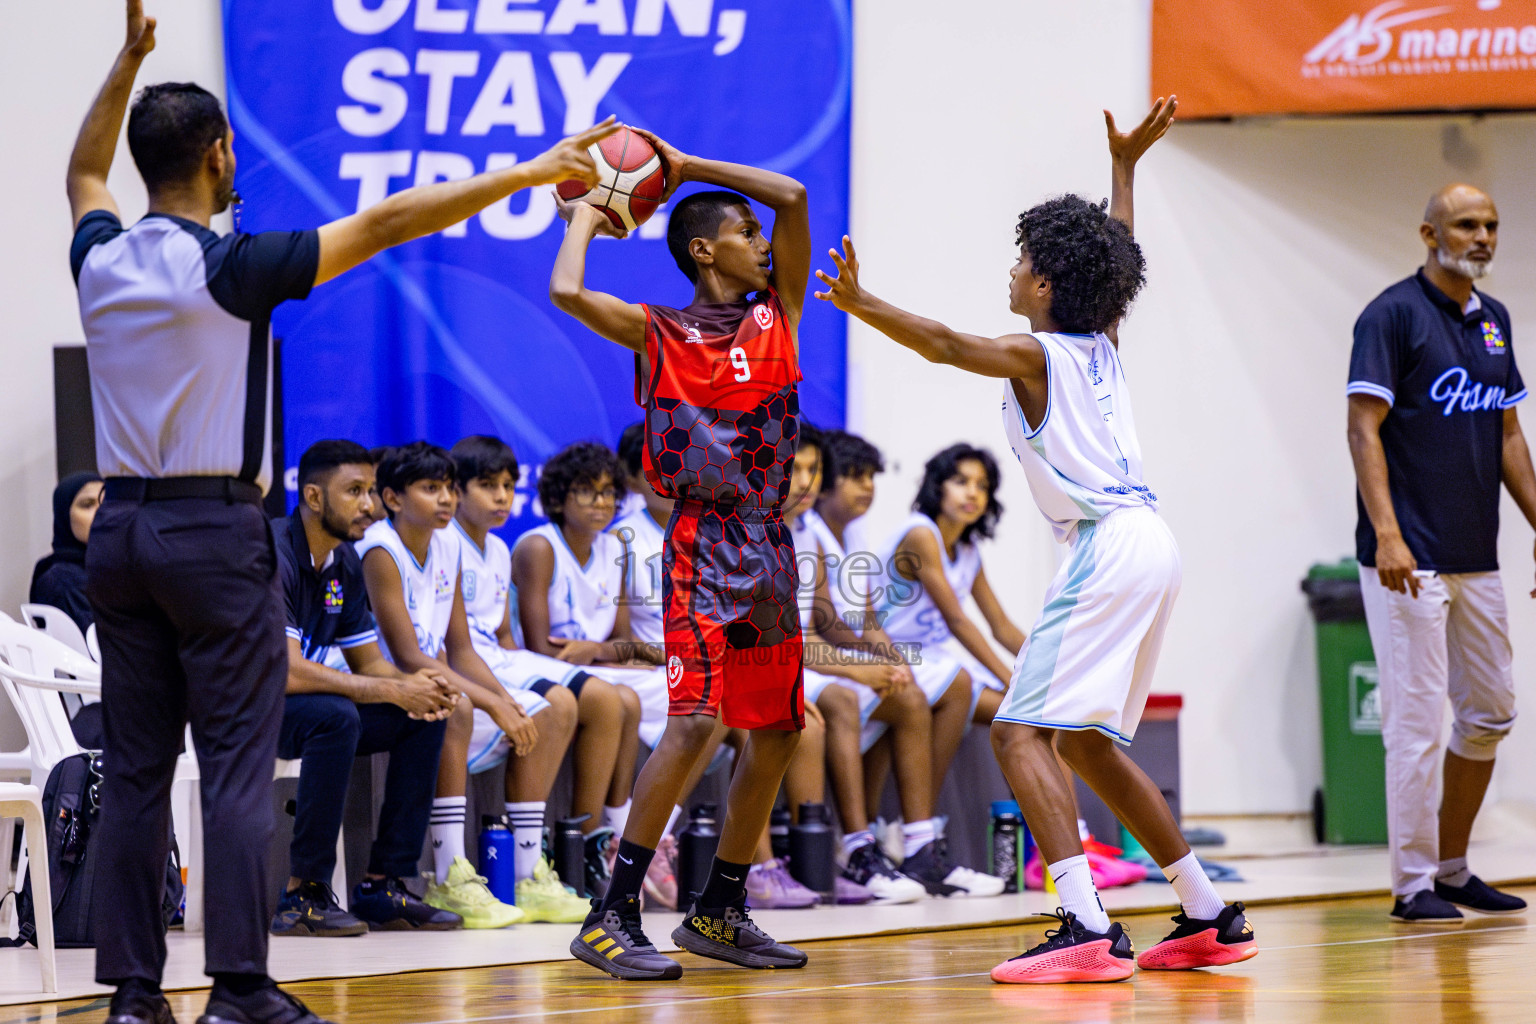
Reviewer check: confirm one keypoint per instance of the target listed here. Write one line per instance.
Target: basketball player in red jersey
(718, 382)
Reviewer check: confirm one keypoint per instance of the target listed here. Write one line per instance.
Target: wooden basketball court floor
(1334, 960)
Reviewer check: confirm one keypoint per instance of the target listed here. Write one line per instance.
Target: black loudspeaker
(74, 423)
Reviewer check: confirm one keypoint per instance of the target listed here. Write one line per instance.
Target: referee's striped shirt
(179, 340)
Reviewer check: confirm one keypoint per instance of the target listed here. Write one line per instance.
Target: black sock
(240, 985)
(726, 886)
(629, 871)
(135, 991)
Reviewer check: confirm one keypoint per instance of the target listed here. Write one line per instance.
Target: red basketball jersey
(721, 404)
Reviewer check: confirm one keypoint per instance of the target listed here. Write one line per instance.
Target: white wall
(1264, 239)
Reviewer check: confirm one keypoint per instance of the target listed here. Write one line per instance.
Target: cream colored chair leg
(42, 896)
(339, 876)
(7, 838)
(192, 920)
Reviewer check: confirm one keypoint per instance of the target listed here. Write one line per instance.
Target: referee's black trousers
(189, 616)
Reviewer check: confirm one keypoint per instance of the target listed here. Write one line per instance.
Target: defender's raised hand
(673, 160)
(568, 159)
(1127, 147)
(843, 291)
(141, 31)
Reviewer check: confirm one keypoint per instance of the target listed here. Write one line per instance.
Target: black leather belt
(172, 488)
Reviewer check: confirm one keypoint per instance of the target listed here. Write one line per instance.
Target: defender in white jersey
(411, 563)
(1080, 680)
(607, 716)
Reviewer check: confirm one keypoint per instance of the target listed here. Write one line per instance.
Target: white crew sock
(1074, 884)
(447, 833)
(527, 823)
(1195, 890)
(677, 812)
(857, 840)
(917, 834)
(617, 818)
(1454, 872)
(1083, 835)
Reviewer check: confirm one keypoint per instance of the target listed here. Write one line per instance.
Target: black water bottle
(696, 846)
(778, 832)
(568, 850)
(813, 851)
(1006, 832)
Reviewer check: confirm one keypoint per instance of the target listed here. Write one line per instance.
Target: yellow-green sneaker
(543, 898)
(465, 893)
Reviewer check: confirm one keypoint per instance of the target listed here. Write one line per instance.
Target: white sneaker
(974, 883)
(869, 867)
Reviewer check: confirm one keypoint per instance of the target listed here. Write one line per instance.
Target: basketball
(633, 180)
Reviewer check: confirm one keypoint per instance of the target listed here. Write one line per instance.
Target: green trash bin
(1351, 806)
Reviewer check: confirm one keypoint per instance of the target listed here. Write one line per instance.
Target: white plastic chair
(57, 624)
(26, 803)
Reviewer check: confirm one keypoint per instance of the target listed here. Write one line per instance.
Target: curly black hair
(573, 465)
(1094, 265)
(944, 466)
(844, 454)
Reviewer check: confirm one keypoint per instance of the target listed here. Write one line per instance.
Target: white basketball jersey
(1084, 460)
(643, 539)
(485, 577)
(849, 597)
(904, 606)
(429, 587)
(582, 597)
(807, 554)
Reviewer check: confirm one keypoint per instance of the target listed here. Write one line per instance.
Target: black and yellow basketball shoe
(612, 940)
(727, 933)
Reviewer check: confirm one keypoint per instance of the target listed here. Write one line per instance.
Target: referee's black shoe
(132, 1004)
(1478, 895)
(1424, 907)
(267, 1005)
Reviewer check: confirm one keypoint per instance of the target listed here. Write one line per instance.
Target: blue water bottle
(498, 860)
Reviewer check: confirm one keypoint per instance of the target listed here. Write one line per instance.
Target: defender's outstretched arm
(1013, 355)
(91, 160)
(417, 212)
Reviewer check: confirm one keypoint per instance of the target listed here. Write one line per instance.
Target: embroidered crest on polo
(1493, 338)
(334, 598)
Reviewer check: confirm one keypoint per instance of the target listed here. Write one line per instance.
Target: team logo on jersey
(333, 597)
(763, 315)
(442, 585)
(694, 337)
(674, 672)
(1493, 338)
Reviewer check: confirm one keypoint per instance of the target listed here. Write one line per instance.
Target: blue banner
(337, 103)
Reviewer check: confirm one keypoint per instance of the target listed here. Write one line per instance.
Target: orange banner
(1230, 58)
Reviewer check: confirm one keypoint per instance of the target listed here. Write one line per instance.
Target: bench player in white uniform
(569, 579)
(1082, 677)
(607, 716)
(411, 563)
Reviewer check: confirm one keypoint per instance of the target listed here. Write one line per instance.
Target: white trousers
(1451, 641)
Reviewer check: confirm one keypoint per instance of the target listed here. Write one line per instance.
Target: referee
(182, 569)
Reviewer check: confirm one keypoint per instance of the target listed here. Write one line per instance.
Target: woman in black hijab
(59, 579)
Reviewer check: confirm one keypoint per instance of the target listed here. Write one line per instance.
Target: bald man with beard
(1433, 433)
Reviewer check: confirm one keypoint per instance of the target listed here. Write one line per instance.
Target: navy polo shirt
(1448, 375)
(327, 607)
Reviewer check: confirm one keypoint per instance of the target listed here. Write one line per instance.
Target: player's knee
(959, 691)
(460, 726)
(1012, 741)
(599, 703)
(1086, 745)
(813, 735)
(910, 703)
(688, 732)
(1476, 737)
(838, 705)
(630, 700)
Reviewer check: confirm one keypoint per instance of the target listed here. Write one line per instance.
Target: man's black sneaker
(1424, 907)
(870, 867)
(312, 909)
(1071, 953)
(597, 870)
(1224, 939)
(928, 867)
(267, 1005)
(1478, 895)
(612, 940)
(137, 1008)
(387, 905)
(727, 933)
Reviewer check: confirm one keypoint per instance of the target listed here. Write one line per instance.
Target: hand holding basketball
(141, 31)
(573, 210)
(843, 291)
(570, 158)
(1127, 147)
(673, 161)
